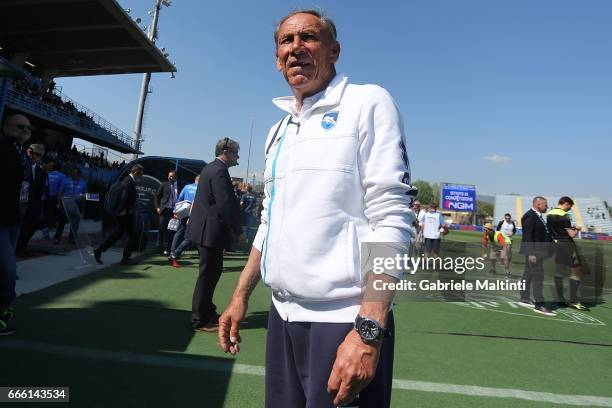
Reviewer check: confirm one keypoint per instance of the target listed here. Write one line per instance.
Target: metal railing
(80, 118)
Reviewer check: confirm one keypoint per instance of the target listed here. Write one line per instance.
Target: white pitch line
(228, 366)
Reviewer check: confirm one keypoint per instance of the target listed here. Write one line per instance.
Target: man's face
(507, 217)
(305, 53)
(566, 206)
(232, 159)
(541, 206)
(34, 156)
(18, 128)
(171, 177)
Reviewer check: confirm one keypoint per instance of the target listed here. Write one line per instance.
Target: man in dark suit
(535, 247)
(15, 129)
(165, 199)
(214, 222)
(123, 206)
(37, 177)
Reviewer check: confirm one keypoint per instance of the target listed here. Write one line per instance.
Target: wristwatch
(369, 330)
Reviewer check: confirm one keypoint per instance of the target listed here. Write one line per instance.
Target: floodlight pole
(144, 88)
(249, 159)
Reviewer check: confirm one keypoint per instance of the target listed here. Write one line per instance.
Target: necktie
(543, 222)
(173, 195)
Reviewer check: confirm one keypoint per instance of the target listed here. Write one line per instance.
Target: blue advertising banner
(458, 197)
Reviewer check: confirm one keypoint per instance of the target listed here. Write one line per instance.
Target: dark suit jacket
(536, 241)
(11, 169)
(215, 214)
(38, 187)
(163, 195)
(127, 197)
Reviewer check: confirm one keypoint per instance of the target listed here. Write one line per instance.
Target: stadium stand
(84, 122)
(589, 213)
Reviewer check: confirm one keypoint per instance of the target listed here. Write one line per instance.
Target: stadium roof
(76, 37)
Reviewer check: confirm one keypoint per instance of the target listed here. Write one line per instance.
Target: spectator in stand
(179, 242)
(15, 128)
(508, 227)
(247, 205)
(73, 187)
(237, 190)
(36, 195)
(165, 200)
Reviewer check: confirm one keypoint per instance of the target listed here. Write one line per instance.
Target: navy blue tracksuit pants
(299, 360)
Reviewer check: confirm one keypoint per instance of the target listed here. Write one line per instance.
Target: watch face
(369, 330)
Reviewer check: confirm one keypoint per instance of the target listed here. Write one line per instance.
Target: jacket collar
(329, 97)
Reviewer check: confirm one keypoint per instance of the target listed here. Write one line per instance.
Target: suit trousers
(8, 264)
(29, 225)
(125, 224)
(534, 279)
(203, 310)
(163, 240)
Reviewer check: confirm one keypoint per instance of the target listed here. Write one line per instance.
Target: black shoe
(544, 310)
(126, 261)
(98, 256)
(528, 303)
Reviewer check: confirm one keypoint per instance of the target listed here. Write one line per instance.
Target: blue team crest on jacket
(329, 120)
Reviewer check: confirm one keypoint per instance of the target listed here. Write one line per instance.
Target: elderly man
(337, 175)
(15, 130)
(535, 246)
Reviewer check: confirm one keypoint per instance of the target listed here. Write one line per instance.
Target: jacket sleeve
(225, 200)
(385, 170)
(158, 196)
(528, 223)
(181, 196)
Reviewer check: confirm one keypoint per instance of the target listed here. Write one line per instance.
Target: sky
(512, 96)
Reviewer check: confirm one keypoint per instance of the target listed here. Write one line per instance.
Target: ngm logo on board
(458, 197)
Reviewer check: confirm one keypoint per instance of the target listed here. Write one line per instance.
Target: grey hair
(538, 198)
(226, 144)
(326, 22)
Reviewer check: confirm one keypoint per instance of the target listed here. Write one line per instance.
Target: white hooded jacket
(337, 175)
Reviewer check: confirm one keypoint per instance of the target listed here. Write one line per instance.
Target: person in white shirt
(433, 229)
(337, 175)
(508, 227)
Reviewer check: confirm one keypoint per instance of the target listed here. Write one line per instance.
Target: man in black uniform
(124, 208)
(567, 257)
(213, 224)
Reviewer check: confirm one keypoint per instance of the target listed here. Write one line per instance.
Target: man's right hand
(532, 259)
(229, 326)
(158, 211)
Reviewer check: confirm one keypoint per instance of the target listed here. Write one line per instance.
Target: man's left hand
(353, 369)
